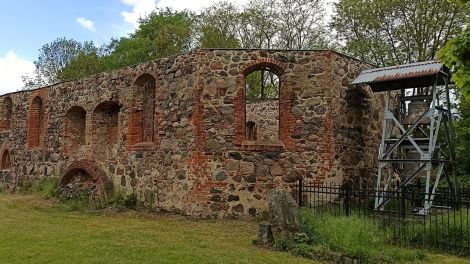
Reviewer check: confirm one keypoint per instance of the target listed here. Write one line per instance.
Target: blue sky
(26, 25)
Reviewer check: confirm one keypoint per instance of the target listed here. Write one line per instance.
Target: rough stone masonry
(174, 131)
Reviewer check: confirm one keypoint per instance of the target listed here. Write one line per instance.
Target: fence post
(402, 202)
(347, 199)
(300, 192)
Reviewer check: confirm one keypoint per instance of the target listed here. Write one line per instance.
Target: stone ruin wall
(189, 153)
(265, 115)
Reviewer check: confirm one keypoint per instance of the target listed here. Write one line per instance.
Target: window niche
(36, 122)
(105, 123)
(142, 123)
(6, 160)
(75, 126)
(262, 88)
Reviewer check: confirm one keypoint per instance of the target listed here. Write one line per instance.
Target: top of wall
(194, 52)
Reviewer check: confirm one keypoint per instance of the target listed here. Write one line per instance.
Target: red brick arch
(273, 65)
(286, 120)
(99, 177)
(142, 112)
(37, 118)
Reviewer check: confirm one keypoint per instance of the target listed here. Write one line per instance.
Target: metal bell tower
(417, 136)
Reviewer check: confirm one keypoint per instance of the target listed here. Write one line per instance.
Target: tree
(216, 26)
(265, 24)
(462, 138)
(54, 56)
(171, 32)
(456, 55)
(129, 51)
(390, 32)
(163, 33)
(83, 65)
(302, 24)
(259, 25)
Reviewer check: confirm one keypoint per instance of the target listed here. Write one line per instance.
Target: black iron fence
(445, 226)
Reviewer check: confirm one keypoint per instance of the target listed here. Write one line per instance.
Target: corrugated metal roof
(400, 72)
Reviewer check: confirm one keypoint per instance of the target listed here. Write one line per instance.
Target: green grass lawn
(33, 230)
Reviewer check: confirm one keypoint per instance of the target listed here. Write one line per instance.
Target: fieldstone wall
(183, 147)
(265, 117)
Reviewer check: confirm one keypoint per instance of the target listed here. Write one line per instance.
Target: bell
(415, 110)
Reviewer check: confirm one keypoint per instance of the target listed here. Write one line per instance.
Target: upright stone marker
(283, 215)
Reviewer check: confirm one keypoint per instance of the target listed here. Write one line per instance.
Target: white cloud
(11, 70)
(141, 8)
(86, 23)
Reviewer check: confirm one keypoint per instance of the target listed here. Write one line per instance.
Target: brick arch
(263, 63)
(104, 184)
(36, 122)
(6, 160)
(142, 112)
(7, 110)
(286, 120)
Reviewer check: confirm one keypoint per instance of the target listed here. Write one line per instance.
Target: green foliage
(456, 55)
(54, 56)
(216, 26)
(211, 37)
(83, 65)
(170, 32)
(25, 187)
(289, 24)
(121, 198)
(47, 187)
(76, 204)
(390, 32)
(262, 84)
(439, 232)
(462, 139)
(353, 236)
(129, 51)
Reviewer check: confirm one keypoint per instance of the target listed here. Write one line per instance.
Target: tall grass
(48, 187)
(355, 237)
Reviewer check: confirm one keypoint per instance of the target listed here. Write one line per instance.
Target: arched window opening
(251, 130)
(7, 109)
(36, 122)
(75, 126)
(262, 88)
(105, 127)
(6, 161)
(142, 125)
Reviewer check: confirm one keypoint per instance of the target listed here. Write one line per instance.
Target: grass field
(33, 230)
